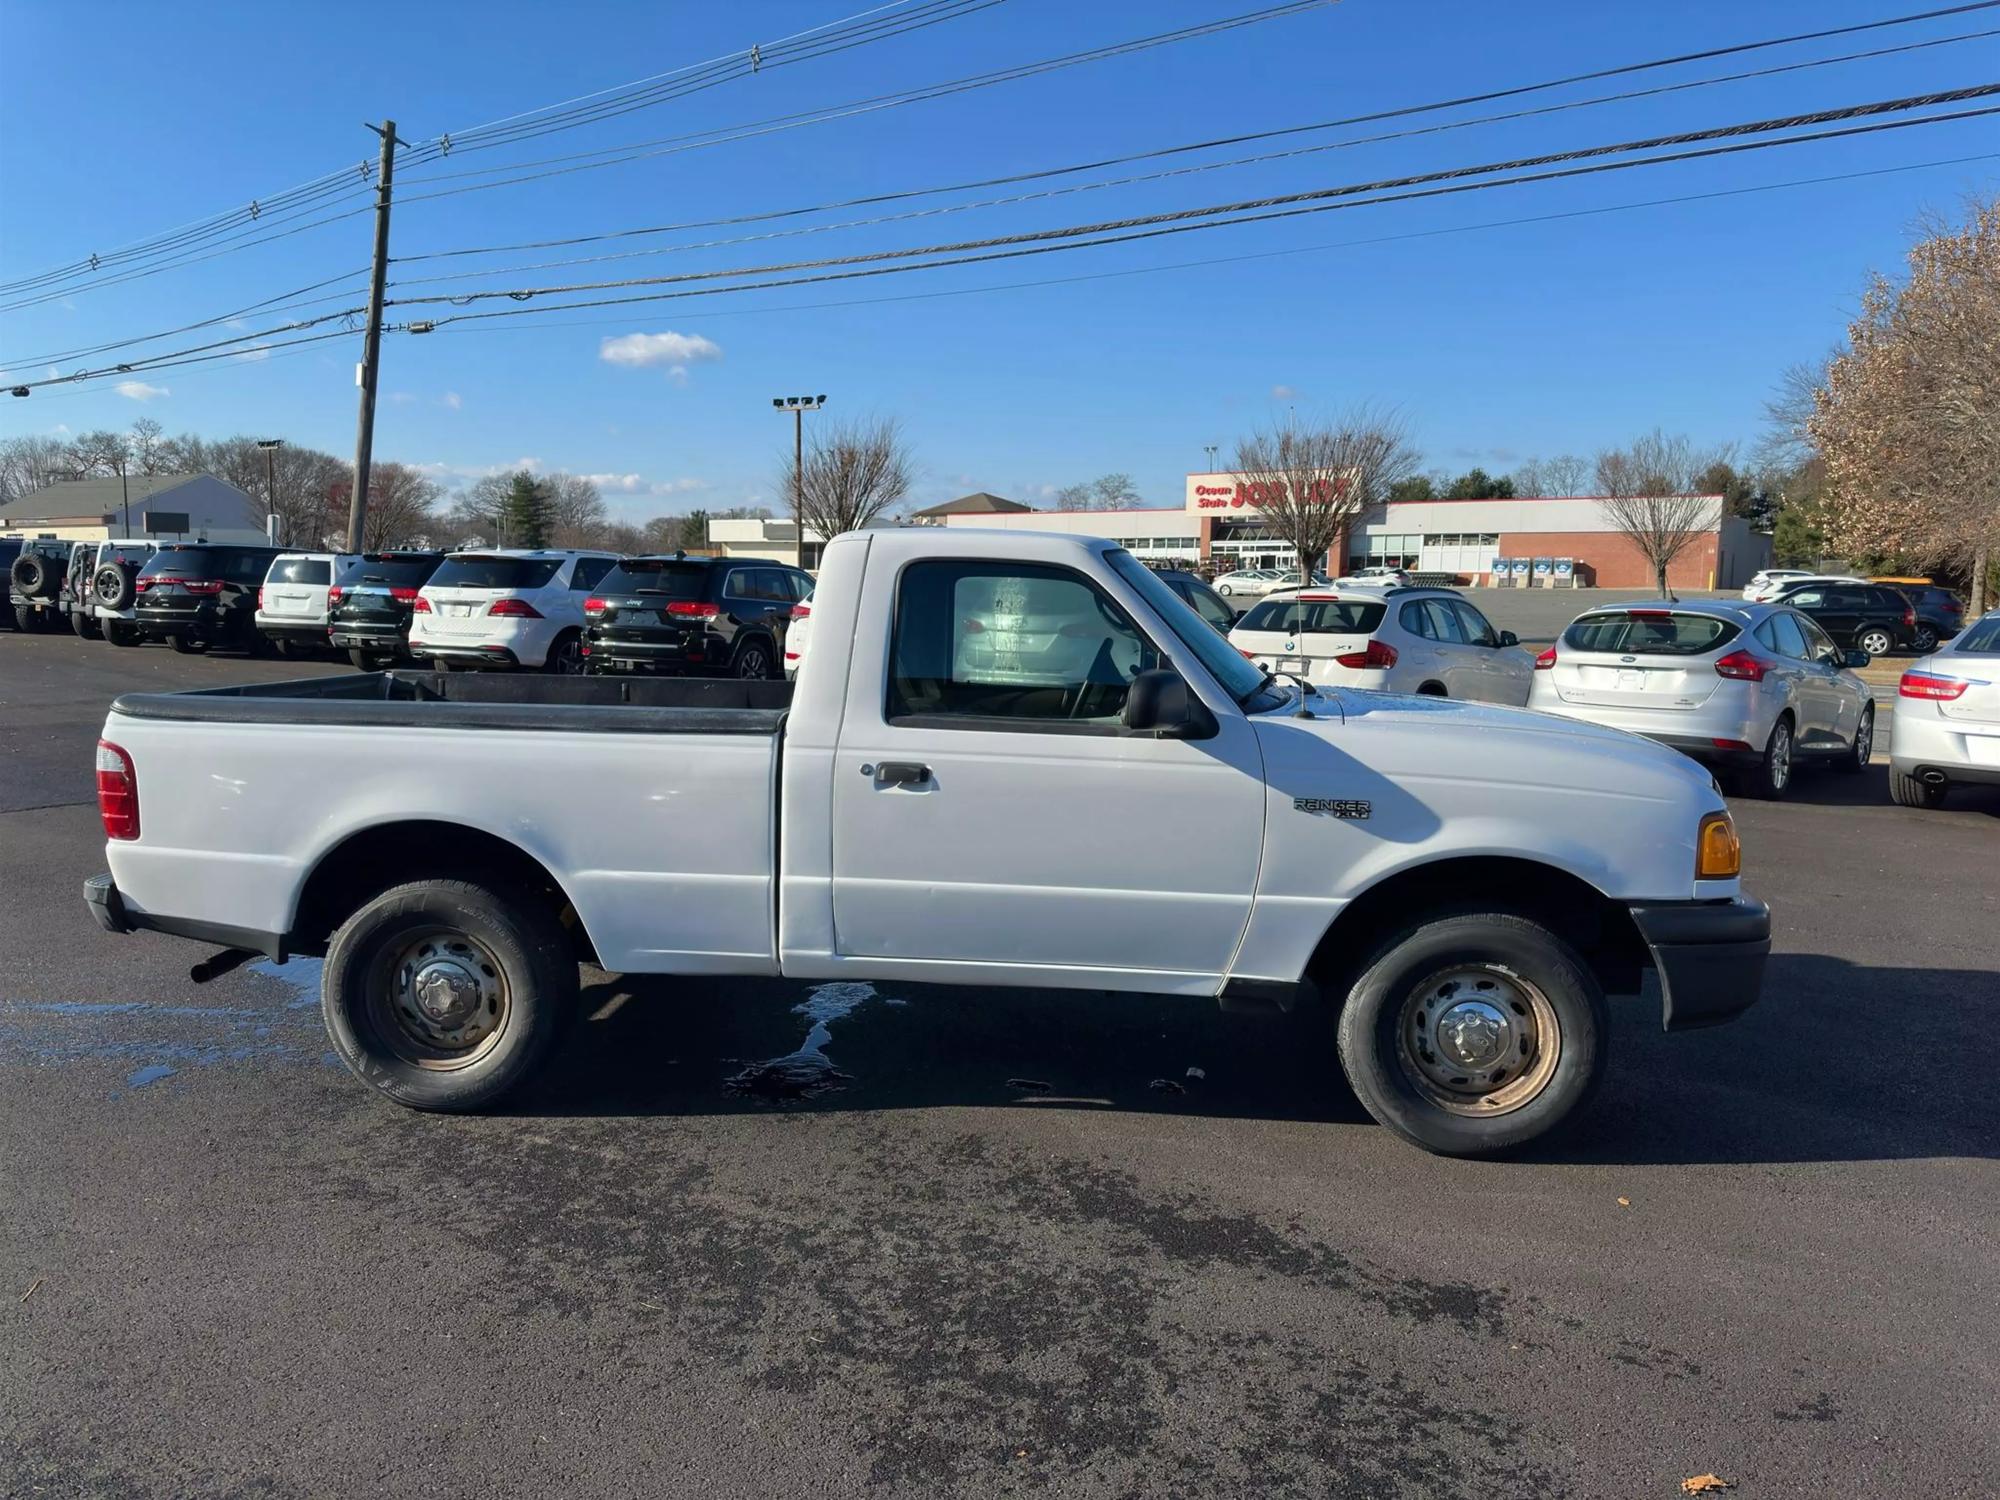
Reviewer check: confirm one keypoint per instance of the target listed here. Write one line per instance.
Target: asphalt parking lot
(1767, 1252)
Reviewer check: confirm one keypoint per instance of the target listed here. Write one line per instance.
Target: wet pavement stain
(140, 1077)
(808, 1072)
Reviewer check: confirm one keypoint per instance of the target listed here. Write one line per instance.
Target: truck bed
(480, 700)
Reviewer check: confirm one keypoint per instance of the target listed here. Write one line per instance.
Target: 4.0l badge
(1337, 807)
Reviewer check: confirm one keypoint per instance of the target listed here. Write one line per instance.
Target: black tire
(187, 645)
(526, 973)
(33, 576)
(85, 626)
(1771, 778)
(7, 620)
(119, 633)
(113, 586)
(1875, 641)
(1925, 640)
(565, 658)
(1858, 753)
(34, 621)
(1552, 1009)
(1906, 791)
(363, 662)
(754, 660)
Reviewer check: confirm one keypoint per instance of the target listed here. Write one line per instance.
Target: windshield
(669, 578)
(396, 571)
(1982, 639)
(1316, 616)
(1649, 633)
(1237, 676)
(475, 571)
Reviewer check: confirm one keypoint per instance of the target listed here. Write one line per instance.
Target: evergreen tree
(525, 514)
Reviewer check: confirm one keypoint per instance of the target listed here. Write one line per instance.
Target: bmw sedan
(1756, 688)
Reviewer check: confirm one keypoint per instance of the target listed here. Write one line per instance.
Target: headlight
(1718, 853)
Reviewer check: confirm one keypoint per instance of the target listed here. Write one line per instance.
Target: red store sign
(1255, 494)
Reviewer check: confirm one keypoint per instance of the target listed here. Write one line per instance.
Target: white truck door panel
(986, 810)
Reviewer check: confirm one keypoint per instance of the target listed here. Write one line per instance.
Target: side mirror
(1855, 658)
(1508, 638)
(1159, 704)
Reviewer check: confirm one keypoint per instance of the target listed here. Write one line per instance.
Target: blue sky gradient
(1498, 342)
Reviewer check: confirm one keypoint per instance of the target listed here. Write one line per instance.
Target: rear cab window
(478, 571)
(1650, 633)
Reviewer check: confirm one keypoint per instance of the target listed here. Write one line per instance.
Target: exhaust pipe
(1931, 776)
(218, 964)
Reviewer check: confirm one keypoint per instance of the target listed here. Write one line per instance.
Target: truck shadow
(1838, 1063)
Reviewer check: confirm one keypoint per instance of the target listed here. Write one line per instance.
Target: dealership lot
(1765, 1253)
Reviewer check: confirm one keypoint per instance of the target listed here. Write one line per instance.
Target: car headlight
(1718, 853)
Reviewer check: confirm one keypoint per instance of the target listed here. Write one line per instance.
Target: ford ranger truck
(991, 770)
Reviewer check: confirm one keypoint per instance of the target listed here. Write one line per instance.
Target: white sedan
(1946, 728)
(1251, 583)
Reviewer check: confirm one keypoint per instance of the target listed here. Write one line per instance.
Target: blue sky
(127, 118)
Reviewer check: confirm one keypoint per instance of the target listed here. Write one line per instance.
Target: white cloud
(1284, 393)
(61, 429)
(253, 353)
(639, 484)
(138, 390)
(236, 323)
(401, 398)
(453, 400)
(676, 351)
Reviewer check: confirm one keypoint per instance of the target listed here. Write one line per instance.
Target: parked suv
(685, 614)
(507, 609)
(1199, 597)
(194, 595)
(35, 584)
(1869, 616)
(292, 604)
(110, 588)
(10, 548)
(73, 598)
(1397, 640)
(1940, 613)
(368, 610)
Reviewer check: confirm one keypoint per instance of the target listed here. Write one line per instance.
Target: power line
(1369, 140)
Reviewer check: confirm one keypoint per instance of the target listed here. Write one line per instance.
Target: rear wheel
(1771, 778)
(119, 633)
(565, 657)
(1875, 641)
(1925, 640)
(187, 645)
(753, 660)
(366, 663)
(1474, 1033)
(445, 995)
(1856, 759)
(85, 626)
(1906, 791)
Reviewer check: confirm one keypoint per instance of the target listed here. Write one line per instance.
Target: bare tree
(1073, 497)
(576, 511)
(1650, 496)
(1529, 478)
(31, 463)
(1112, 490)
(149, 446)
(401, 510)
(1565, 474)
(854, 472)
(1312, 481)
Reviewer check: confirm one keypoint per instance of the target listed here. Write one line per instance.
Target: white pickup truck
(1008, 760)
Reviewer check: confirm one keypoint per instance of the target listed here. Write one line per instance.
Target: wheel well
(1432, 689)
(1599, 928)
(390, 854)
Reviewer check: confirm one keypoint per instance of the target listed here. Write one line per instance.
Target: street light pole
(125, 494)
(271, 447)
(1210, 448)
(798, 406)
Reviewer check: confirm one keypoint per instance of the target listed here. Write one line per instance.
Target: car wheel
(187, 645)
(445, 995)
(120, 634)
(85, 627)
(1906, 791)
(565, 657)
(1473, 1034)
(753, 661)
(1875, 642)
(1925, 640)
(363, 662)
(1856, 759)
(1228, 591)
(1771, 777)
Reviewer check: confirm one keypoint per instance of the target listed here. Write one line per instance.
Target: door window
(1444, 622)
(1819, 645)
(1807, 599)
(986, 645)
(1788, 636)
(1417, 620)
(1477, 630)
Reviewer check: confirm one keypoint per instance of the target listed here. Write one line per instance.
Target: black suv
(691, 614)
(1870, 617)
(1940, 613)
(194, 595)
(35, 584)
(368, 607)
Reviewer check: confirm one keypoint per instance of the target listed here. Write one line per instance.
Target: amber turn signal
(1718, 853)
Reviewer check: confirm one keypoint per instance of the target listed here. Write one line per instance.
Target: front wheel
(1473, 1034)
(1876, 642)
(445, 995)
(1858, 753)
(85, 627)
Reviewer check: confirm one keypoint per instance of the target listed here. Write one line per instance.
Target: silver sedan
(1758, 688)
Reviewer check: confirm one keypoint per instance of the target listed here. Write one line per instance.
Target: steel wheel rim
(440, 998)
(1875, 643)
(1478, 1040)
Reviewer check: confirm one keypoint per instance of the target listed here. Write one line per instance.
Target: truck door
(987, 809)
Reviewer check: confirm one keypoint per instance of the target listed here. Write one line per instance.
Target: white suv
(507, 609)
(292, 604)
(1397, 640)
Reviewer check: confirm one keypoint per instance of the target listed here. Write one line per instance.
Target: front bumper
(1710, 957)
(100, 894)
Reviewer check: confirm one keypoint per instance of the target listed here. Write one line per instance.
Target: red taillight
(800, 611)
(330, 593)
(689, 610)
(513, 609)
(1952, 607)
(140, 585)
(595, 607)
(1741, 666)
(1546, 660)
(333, 596)
(203, 585)
(406, 596)
(1730, 744)
(117, 792)
(1909, 619)
(1246, 655)
(1375, 654)
(421, 607)
(1925, 685)
(1649, 614)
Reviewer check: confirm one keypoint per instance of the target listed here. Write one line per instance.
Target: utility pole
(798, 406)
(364, 433)
(271, 447)
(125, 494)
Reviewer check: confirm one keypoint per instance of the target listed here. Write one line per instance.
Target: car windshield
(670, 578)
(1237, 676)
(479, 571)
(1982, 639)
(403, 572)
(1316, 616)
(1649, 632)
